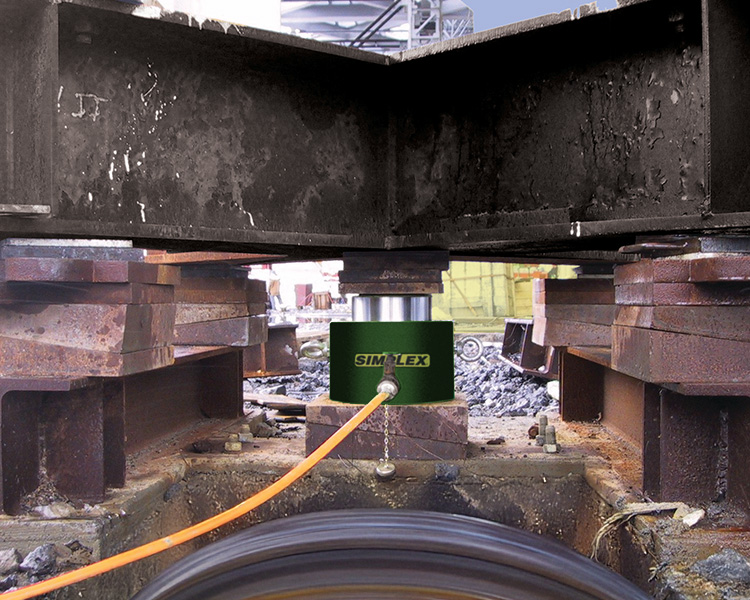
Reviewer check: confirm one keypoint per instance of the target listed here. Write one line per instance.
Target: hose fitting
(389, 383)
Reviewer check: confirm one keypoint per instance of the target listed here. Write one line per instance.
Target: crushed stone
(491, 387)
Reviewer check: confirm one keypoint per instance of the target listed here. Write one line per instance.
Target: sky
(265, 13)
(493, 13)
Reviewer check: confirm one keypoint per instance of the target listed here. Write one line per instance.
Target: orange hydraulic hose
(244, 507)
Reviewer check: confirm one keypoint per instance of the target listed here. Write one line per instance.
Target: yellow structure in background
(479, 295)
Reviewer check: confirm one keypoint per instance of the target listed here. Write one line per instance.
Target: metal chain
(386, 440)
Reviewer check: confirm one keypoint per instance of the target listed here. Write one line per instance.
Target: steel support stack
(675, 382)
(89, 372)
(393, 286)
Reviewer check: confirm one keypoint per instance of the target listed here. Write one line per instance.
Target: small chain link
(386, 439)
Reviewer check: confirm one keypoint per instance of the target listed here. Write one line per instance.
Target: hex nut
(233, 446)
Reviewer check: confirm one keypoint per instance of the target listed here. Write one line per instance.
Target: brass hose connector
(389, 384)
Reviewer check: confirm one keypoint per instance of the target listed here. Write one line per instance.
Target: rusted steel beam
(293, 132)
(240, 332)
(573, 291)
(88, 426)
(194, 313)
(202, 382)
(212, 258)
(682, 294)
(563, 140)
(720, 268)
(581, 387)
(19, 448)
(651, 452)
(590, 136)
(661, 357)
(727, 322)
(28, 81)
(700, 269)
(28, 358)
(20, 408)
(601, 314)
(74, 443)
(738, 445)
(86, 271)
(85, 293)
(726, 36)
(562, 332)
(278, 355)
(693, 440)
(99, 327)
(524, 353)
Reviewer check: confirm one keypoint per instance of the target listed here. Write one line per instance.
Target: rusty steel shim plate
(359, 554)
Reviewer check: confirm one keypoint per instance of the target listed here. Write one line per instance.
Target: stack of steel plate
(393, 272)
(217, 305)
(73, 308)
(684, 319)
(573, 312)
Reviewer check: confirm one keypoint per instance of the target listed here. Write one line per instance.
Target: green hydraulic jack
(391, 329)
(366, 355)
(423, 352)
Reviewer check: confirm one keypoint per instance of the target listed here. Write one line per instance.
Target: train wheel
(385, 554)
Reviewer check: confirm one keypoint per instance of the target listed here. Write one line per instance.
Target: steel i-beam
(556, 134)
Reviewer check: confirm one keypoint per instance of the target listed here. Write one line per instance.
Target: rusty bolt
(550, 440)
(543, 422)
(542, 429)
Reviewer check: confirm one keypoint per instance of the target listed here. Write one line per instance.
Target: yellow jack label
(402, 360)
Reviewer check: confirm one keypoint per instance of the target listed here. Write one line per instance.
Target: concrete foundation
(437, 431)
(566, 496)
